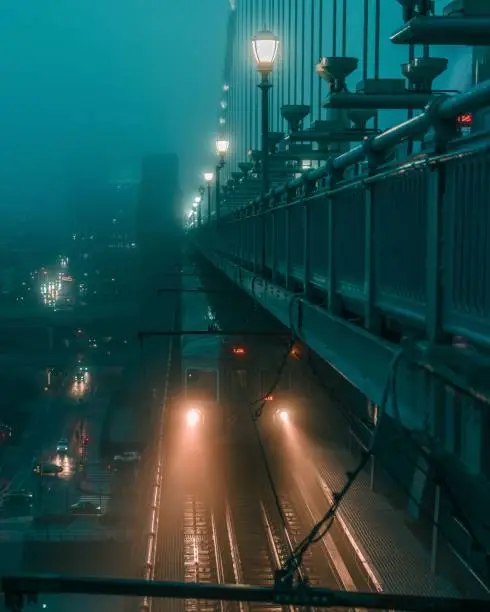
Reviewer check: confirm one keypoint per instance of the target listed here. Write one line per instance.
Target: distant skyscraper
(158, 217)
(158, 193)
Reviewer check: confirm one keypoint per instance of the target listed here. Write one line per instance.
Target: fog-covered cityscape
(244, 305)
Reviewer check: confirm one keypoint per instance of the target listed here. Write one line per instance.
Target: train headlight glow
(282, 414)
(193, 417)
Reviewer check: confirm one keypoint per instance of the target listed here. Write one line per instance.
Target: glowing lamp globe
(208, 177)
(222, 146)
(265, 46)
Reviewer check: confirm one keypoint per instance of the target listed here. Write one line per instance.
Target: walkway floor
(391, 554)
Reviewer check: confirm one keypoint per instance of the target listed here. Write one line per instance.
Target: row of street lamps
(265, 46)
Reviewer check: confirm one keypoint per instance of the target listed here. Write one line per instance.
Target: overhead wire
(272, 484)
(255, 417)
(409, 435)
(405, 432)
(283, 363)
(390, 390)
(320, 528)
(262, 401)
(440, 475)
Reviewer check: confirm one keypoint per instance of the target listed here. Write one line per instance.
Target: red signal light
(239, 350)
(465, 119)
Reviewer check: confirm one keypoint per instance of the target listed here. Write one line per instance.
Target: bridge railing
(410, 241)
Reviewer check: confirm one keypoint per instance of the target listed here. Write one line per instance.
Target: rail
(252, 557)
(149, 567)
(407, 242)
(278, 554)
(440, 114)
(202, 553)
(234, 552)
(220, 573)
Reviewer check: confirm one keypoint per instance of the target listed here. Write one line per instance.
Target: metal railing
(408, 240)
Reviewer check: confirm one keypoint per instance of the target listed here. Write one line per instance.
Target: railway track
(229, 529)
(255, 550)
(202, 552)
(237, 537)
(318, 567)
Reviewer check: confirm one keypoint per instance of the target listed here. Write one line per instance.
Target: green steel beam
(20, 588)
(363, 358)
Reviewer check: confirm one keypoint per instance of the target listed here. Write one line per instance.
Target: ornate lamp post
(208, 177)
(222, 146)
(265, 46)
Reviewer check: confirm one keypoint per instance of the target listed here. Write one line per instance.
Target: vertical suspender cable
(377, 42)
(303, 51)
(295, 52)
(257, 135)
(320, 53)
(365, 41)
(312, 57)
(289, 66)
(344, 29)
(251, 90)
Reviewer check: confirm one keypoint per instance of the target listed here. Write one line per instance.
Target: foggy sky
(89, 87)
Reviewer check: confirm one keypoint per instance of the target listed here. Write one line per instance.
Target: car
(62, 446)
(47, 469)
(86, 508)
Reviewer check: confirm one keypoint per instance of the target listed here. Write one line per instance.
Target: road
(52, 418)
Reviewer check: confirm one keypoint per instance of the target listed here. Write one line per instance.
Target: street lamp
(199, 210)
(208, 177)
(197, 205)
(222, 146)
(265, 46)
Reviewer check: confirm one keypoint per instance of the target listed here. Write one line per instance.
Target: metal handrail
(441, 110)
(152, 538)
